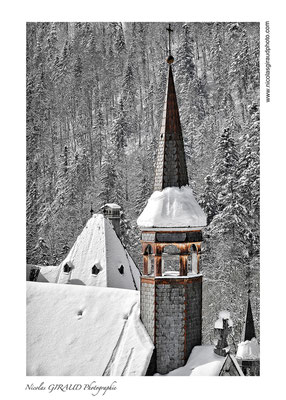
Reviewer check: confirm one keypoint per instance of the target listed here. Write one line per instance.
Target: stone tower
(170, 224)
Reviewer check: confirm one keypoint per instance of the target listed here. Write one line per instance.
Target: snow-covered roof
(48, 273)
(98, 245)
(80, 330)
(202, 361)
(172, 207)
(111, 205)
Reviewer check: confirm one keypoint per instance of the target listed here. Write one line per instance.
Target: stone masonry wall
(193, 315)
(171, 311)
(147, 307)
(170, 336)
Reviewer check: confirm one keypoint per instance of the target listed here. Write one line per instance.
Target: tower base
(171, 311)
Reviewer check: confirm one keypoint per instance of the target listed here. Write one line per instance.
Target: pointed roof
(230, 367)
(171, 169)
(248, 329)
(97, 246)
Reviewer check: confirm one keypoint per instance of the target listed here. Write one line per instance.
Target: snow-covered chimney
(112, 212)
(222, 328)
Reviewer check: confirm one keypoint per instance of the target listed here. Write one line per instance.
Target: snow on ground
(98, 245)
(172, 207)
(248, 350)
(80, 330)
(202, 362)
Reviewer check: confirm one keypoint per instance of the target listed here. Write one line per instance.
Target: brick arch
(148, 258)
(194, 259)
(147, 249)
(193, 247)
(170, 258)
(169, 246)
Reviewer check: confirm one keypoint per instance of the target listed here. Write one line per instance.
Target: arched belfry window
(121, 269)
(194, 259)
(170, 260)
(149, 252)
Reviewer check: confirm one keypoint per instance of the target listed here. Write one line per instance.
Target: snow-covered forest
(95, 94)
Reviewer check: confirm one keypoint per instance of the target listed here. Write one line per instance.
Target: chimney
(112, 212)
(222, 328)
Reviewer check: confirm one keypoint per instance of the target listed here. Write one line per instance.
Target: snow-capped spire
(171, 169)
(248, 329)
(172, 205)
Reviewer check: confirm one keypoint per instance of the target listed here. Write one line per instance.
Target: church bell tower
(171, 236)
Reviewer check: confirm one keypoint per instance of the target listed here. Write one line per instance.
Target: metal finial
(91, 210)
(170, 59)
(249, 287)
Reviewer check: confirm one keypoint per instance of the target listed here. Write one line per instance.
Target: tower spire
(170, 224)
(248, 329)
(171, 169)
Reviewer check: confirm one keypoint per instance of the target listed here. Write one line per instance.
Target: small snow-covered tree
(208, 199)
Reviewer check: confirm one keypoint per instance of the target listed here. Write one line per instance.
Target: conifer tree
(225, 167)
(208, 199)
(249, 172)
(52, 42)
(107, 179)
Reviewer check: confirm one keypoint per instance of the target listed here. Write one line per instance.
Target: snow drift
(80, 330)
(248, 350)
(202, 362)
(172, 207)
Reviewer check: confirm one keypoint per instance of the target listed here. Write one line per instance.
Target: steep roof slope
(80, 330)
(99, 246)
